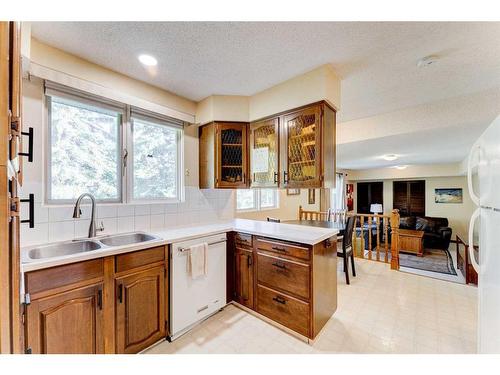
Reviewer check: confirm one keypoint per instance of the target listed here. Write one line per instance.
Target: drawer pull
(279, 300)
(280, 265)
(279, 248)
(120, 293)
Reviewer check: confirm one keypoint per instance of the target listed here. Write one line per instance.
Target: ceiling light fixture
(401, 167)
(427, 60)
(390, 157)
(147, 60)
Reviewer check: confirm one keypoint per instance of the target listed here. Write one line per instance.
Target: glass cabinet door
(232, 155)
(264, 153)
(302, 166)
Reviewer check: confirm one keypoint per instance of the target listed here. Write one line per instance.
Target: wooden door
(244, 277)
(264, 153)
(66, 323)
(231, 155)
(140, 310)
(367, 194)
(302, 153)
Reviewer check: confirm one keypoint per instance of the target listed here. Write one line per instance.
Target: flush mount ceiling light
(147, 60)
(390, 157)
(427, 60)
(400, 167)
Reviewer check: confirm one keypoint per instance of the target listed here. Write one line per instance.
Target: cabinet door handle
(280, 265)
(275, 177)
(29, 154)
(31, 219)
(99, 299)
(120, 293)
(279, 300)
(250, 260)
(285, 177)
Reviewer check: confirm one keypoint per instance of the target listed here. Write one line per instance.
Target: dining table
(319, 224)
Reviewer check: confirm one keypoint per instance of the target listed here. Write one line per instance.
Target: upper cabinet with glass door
(264, 151)
(308, 147)
(224, 155)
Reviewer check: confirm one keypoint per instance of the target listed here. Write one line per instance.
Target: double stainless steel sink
(81, 246)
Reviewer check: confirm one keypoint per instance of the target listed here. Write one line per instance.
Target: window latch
(125, 155)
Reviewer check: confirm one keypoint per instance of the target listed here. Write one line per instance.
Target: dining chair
(346, 250)
(273, 220)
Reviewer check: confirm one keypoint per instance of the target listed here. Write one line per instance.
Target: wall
(55, 223)
(458, 214)
(318, 84)
(288, 207)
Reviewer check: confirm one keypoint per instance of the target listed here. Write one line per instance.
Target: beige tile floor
(382, 311)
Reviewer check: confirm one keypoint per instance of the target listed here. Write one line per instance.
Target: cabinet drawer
(286, 310)
(283, 248)
(139, 258)
(243, 240)
(289, 276)
(60, 276)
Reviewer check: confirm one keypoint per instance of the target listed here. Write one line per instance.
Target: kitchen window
(84, 151)
(116, 152)
(256, 199)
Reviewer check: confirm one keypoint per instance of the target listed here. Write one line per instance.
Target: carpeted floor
(434, 260)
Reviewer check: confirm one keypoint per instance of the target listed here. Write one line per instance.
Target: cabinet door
(302, 148)
(140, 310)
(264, 153)
(66, 323)
(244, 277)
(231, 155)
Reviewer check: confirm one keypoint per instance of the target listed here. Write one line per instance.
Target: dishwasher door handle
(184, 249)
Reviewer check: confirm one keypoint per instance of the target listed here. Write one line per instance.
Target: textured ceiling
(377, 61)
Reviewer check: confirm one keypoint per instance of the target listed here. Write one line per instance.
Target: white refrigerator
(484, 188)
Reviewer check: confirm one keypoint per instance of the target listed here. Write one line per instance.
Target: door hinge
(28, 350)
(27, 299)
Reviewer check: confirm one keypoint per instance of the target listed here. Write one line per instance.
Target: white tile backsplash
(57, 224)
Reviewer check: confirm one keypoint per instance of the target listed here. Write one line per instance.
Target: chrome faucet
(77, 212)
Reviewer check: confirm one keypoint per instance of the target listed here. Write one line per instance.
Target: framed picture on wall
(292, 191)
(350, 197)
(311, 196)
(453, 195)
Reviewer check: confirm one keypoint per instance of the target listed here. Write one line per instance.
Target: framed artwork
(312, 196)
(453, 195)
(292, 191)
(350, 197)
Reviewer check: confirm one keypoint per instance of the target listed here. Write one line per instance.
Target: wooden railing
(377, 248)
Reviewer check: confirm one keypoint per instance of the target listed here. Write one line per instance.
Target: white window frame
(125, 189)
(48, 155)
(257, 201)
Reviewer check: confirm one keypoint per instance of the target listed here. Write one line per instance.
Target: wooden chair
(314, 215)
(273, 220)
(346, 248)
(338, 216)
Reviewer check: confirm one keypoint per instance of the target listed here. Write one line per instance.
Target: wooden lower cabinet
(67, 322)
(292, 284)
(140, 310)
(116, 304)
(244, 277)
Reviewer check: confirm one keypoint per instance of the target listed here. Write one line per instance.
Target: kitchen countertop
(283, 231)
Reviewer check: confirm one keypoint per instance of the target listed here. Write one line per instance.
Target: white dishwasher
(193, 300)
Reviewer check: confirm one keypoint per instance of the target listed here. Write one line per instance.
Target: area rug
(434, 260)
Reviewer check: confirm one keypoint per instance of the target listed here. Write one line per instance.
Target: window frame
(257, 206)
(48, 154)
(125, 147)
